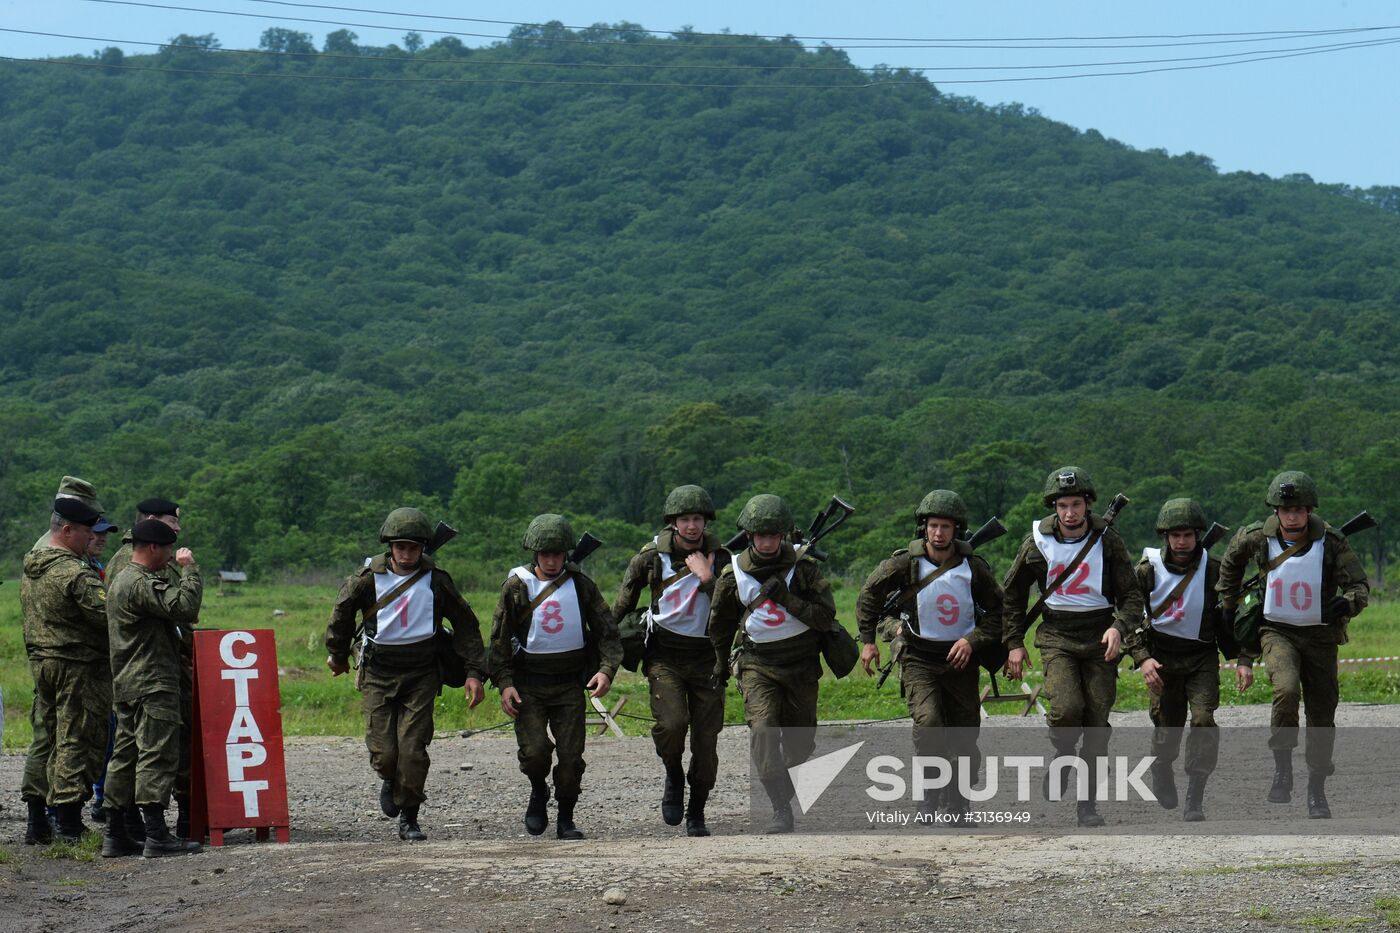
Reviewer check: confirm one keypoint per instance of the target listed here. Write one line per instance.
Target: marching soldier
(65, 638)
(1313, 585)
(144, 616)
(1086, 616)
(1175, 649)
(552, 636)
(782, 605)
(402, 598)
(951, 606)
(680, 566)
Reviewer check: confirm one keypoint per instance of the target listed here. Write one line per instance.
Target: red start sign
(239, 777)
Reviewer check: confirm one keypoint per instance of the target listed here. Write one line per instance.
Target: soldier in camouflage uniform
(552, 636)
(1084, 621)
(144, 615)
(402, 598)
(1313, 584)
(65, 638)
(94, 557)
(680, 566)
(781, 604)
(1175, 648)
(950, 606)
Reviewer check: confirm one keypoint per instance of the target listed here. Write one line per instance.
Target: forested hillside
(295, 301)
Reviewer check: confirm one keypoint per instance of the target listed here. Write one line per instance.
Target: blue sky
(1333, 116)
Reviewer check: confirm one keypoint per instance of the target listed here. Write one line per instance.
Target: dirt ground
(346, 869)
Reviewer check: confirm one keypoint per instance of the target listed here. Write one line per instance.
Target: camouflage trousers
(146, 753)
(552, 710)
(1081, 687)
(181, 788)
(944, 705)
(72, 703)
(398, 708)
(1302, 668)
(1188, 681)
(780, 706)
(684, 696)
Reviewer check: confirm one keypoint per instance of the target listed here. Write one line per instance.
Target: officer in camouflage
(1312, 585)
(402, 598)
(950, 606)
(782, 605)
(680, 566)
(144, 615)
(65, 637)
(1175, 648)
(73, 487)
(551, 637)
(1085, 618)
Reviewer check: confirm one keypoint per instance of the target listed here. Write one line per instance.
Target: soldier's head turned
(1069, 493)
(687, 510)
(152, 543)
(71, 524)
(768, 520)
(161, 510)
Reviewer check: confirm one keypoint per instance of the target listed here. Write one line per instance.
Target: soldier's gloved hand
(774, 588)
(1336, 611)
(719, 677)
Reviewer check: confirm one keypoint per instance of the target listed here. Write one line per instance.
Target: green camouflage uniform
(1079, 683)
(777, 679)
(400, 683)
(938, 694)
(551, 685)
(1190, 672)
(1301, 661)
(145, 613)
(65, 638)
(678, 668)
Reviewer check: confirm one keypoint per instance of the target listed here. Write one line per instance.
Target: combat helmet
(766, 514)
(1068, 481)
(549, 532)
(1292, 487)
(943, 503)
(1180, 513)
(406, 524)
(687, 500)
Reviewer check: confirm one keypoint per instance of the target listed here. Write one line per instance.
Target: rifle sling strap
(550, 590)
(1070, 568)
(1297, 547)
(389, 597)
(1176, 592)
(913, 591)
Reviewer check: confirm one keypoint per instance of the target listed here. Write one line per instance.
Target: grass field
(313, 703)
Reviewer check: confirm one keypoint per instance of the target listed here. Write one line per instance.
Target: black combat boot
(1281, 791)
(780, 794)
(97, 812)
(1195, 795)
(386, 798)
(695, 813)
(536, 812)
(182, 818)
(116, 841)
(1086, 810)
(408, 825)
(1164, 785)
(135, 826)
(38, 832)
(1317, 797)
(956, 806)
(564, 826)
(68, 820)
(159, 842)
(673, 793)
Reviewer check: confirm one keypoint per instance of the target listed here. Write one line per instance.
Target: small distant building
(231, 579)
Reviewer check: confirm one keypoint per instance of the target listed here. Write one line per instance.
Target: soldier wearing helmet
(1175, 645)
(1084, 620)
(679, 567)
(950, 606)
(1312, 585)
(402, 598)
(551, 637)
(779, 604)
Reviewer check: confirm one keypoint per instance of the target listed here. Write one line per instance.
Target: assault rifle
(586, 546)
(830, 518)
(442, 534)
(1214, 533)
(992, 530)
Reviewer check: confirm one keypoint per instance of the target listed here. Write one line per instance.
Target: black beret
(76, 511)
(151, 531)
(157, 506)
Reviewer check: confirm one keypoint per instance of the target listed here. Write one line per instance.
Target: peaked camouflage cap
(75, 487)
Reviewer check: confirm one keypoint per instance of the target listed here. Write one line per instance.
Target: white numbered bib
(409, 618)
(768, 622)
(1182, 619)
(945, 606)
(557, 623)
(1083, 590)
(1293, 590)
(682, 608)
